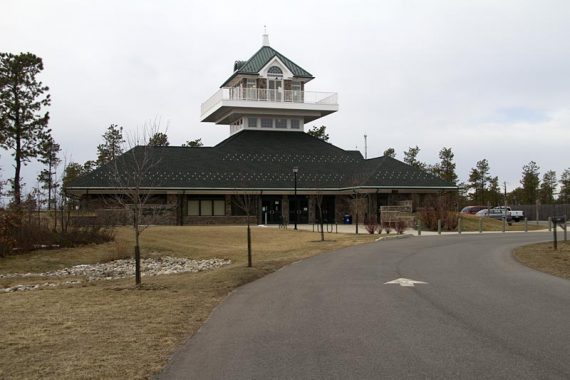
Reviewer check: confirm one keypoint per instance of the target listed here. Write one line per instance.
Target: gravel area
(117, 269)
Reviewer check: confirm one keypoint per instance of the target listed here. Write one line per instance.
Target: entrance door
(271, 210)
(302, 209)
(275, 90)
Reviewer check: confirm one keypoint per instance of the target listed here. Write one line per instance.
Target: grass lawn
(109, 329)
(544, 258)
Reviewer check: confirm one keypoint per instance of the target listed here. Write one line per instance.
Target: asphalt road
(480, 315)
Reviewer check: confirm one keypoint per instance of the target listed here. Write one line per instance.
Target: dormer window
(275, 71)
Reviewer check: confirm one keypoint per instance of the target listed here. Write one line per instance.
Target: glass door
(275, 90)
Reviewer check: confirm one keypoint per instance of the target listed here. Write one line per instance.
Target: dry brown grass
(109, 329)
(544, 258)
(471, 223)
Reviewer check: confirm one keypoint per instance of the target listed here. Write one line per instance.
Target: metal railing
(268, 95)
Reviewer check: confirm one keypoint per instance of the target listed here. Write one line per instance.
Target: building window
(219, 207)
(281, 123)
(252, 122)
(207, 207)
(275, 70)
(194, 208)
(295, 124)
(266, 123)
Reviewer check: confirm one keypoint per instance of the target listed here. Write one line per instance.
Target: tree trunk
(249, 259)
(137, 249)
(322, 224)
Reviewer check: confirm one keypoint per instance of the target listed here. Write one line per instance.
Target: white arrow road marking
(404, 282)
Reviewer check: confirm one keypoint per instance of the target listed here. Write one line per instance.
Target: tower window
(295, 124)
(252, 122)
(266, 123)
(275, 70)
(281, 123)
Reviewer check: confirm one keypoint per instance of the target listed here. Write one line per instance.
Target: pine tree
(411, 158)
(390, 152)
(193, 143)
(158, 139)
(530, 182)
(565, 186)
(23, 126)
(319, 132)
(478, 180)
(445, 169)
(547, 187)
(49, 150)
(112, 146)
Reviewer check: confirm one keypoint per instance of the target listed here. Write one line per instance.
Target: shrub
(21, 233)
(371, 225)
(400, 226)
(438, 209)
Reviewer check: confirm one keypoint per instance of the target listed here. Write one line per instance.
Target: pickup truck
(496, 213)
(517, 216)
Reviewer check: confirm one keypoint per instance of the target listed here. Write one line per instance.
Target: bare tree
(135, 174)
(356, 199)
(247, 202)
(318, 197)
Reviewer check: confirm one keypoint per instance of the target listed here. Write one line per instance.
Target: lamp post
(295, 170)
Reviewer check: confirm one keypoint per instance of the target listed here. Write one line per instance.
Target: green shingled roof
(260, 59)
(264, 160)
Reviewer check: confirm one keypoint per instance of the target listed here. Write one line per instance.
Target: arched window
(274, 70)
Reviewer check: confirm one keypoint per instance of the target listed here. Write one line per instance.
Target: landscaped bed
(110, 329)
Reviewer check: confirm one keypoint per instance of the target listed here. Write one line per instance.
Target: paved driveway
(480, 315)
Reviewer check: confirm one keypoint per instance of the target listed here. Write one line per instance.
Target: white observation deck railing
(265, 95)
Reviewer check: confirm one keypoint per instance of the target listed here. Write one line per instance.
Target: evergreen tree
(565, 186)
(478, 180)
(445, 169)
(530, 182)
(494, 194)
(411, 158)
(158, 139)
(49, 150)
(193, 143)
(319, 132)
(23, 126)
(112, 146)
(390, 152)
(547, 187)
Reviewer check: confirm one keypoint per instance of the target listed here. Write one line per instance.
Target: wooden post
(525, 224)
(481, 225)
(439, 226)
(459, 225)
(549, 224)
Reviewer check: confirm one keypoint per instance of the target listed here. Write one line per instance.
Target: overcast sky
(490, 79)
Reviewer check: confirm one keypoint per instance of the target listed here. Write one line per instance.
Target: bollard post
(505, 223)
(525, 224)
(439, 226)
(459, 225)
(549, 224)
(419, 228)
(480, 225)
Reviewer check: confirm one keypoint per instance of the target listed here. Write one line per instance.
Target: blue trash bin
(347, 219)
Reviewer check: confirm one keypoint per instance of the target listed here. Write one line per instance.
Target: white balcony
(229, 103)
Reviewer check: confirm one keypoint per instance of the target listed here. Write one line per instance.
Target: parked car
(495, 213)
(472, 210)
(517, 216)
